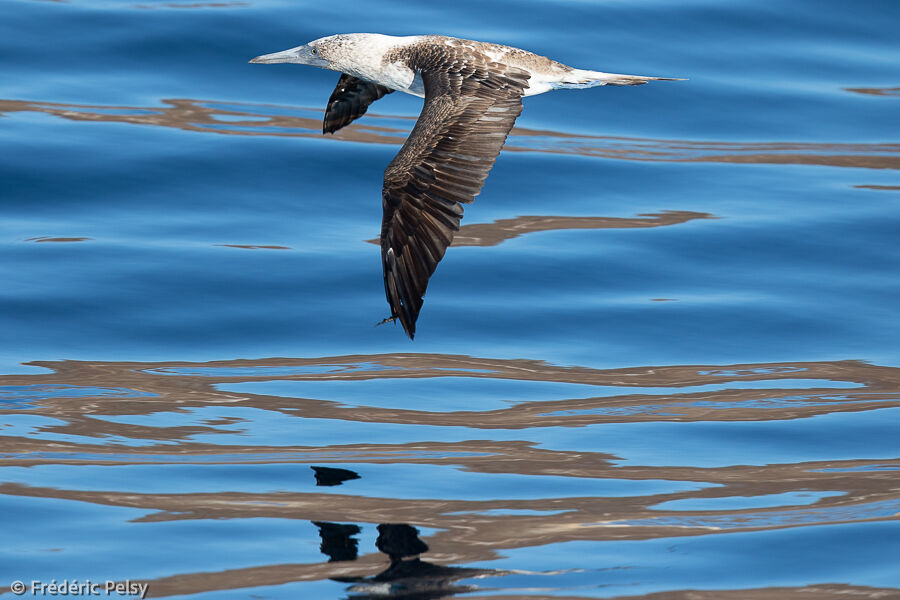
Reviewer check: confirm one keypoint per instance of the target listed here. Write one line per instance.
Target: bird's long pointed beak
(294, 55)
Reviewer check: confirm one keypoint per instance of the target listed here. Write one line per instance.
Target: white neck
(365, 59)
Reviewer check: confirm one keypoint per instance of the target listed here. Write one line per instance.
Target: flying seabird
(473, 93)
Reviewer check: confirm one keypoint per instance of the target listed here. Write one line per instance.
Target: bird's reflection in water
(408, 576)
(329, 476)
(338, 542)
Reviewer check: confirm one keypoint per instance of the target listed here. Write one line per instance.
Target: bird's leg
(389, 319)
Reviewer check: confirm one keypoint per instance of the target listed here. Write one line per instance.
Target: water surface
(659, 361)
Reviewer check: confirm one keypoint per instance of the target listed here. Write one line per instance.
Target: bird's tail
(579, 78)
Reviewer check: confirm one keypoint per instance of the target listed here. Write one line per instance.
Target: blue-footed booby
(473, 93)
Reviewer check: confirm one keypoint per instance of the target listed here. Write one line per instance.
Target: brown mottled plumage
(473, 94)
(470, 107)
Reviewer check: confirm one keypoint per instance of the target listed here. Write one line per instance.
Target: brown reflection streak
(891, 91)
(250, 247)
(868, 490)
(193, 5)
(257, 119)
(492, 234)
(878, 187)
(877, 387)
(464, 535)
(58, 239)
(175, 393)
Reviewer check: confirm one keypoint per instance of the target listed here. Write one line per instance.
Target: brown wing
(469, 110)
(349, 101)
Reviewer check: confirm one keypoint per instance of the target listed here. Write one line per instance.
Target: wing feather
(470, 106)
(350, 100)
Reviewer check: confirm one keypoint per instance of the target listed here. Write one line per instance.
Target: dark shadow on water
(338, 541)
(407, 576)
(328, 476)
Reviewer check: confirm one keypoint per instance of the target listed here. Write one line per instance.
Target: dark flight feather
(349, 101)
(471, 104)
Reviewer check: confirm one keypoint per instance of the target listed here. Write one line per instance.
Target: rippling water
(661, 360)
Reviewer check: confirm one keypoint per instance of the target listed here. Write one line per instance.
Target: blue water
(662, 355)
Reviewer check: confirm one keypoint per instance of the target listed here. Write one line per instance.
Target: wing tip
(408, 322)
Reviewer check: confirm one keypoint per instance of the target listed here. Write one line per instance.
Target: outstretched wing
(350, 100)
(470, 106)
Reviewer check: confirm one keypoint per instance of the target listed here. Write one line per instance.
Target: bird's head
(330, 52)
